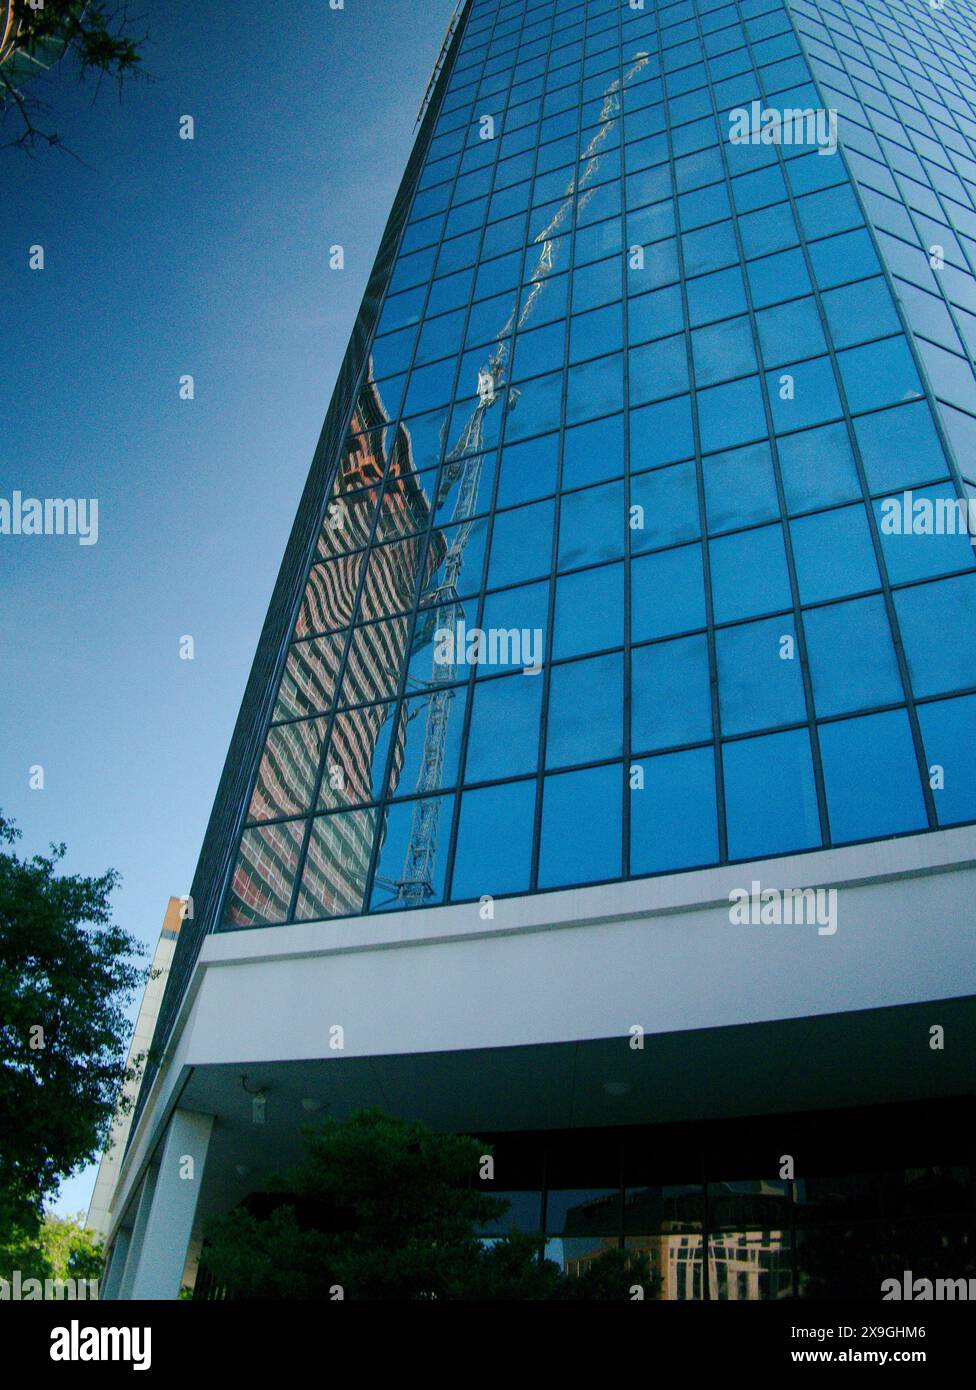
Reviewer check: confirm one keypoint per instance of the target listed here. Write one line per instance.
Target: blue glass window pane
(779, 277)
(950, 375)
(740, 487)
(852, 657)
(450, 293)
(402, 309)
(604, 239)
(643, 153)
(858, 312)
(542, 259)
(521, 544)
(648, 187)
(717, 296)
(472, 185)
(585, 714)
(829, 211)
(772, 229)
(789, 332)
(413, 720)
(879, 374)
(524, 609)
(802, 394)
(937, 622)
(658, 266)
(770, 797)
(924, 533)
(658, 369)
(438, 338)
(709, 248)
(808, 172)
(900, 447)
(429, 387)
(818, 468)
(758, 189)
(503, 739)
(668, 593)
(392, 353)
(673, 821)
(593, 452)
(575, 847)
(871, 777)
(949, 737)
(749, 574)
(591, 525)
(534, 408)
(668, 503)
(424, 435)
(596, 284)
(509, 201)
(597, 333)
(834, 554)
(544, 300)
(760, 681)
(528, 470)
(422, 233)
(843, 258)
(542, 350)
(466, 542)
(661, 433)
(497, 276)
(671, 699)
(654, 315)
(389, 881)
(494, 841)
(722, 351)
(589, 611)
(595, 388)
(487, 319)
(731, 414)
(649, 224)
(704, 205)
(457, 253)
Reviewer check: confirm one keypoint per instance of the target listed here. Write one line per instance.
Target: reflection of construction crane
(463, 465)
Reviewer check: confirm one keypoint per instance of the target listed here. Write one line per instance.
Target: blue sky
(166, 257)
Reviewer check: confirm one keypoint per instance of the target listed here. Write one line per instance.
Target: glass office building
(633, 561)
(603, 586)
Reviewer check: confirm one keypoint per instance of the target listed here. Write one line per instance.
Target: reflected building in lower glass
(607, 762)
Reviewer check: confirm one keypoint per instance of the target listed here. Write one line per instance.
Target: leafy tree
(387, 1210)
(66, 976)
(63, 1247)
(35, 34)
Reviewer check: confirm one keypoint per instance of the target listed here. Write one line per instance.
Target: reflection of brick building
(377, 485)
(748, 1246)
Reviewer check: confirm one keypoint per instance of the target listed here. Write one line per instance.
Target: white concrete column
(115, 1268)
(143, 1206)
(161, 1260)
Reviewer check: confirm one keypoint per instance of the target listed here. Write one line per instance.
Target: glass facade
(675, 1192)
(706, 1205)
(604, 586)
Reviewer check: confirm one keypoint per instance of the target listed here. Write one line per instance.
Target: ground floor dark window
(875, 1191)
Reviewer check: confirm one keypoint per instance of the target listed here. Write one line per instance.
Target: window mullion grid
(557, 516)
(490, 515)
(892, 616)
(354, 625)
(385, 802)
